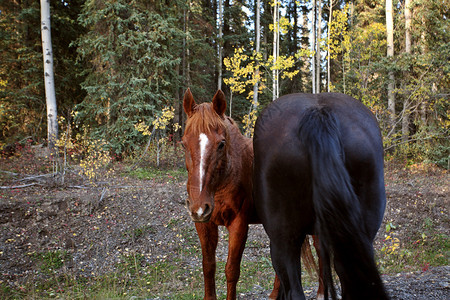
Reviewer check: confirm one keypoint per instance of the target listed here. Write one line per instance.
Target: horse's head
(205, 142)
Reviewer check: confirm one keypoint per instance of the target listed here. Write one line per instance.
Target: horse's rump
(325, 155)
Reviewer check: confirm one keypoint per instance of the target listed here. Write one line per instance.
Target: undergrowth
(418, 250)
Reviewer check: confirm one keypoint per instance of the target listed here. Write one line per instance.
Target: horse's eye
(221, 145)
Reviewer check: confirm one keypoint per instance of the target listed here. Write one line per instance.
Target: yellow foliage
(161, 122)
(96, 159)
(3, 83)
(392, 245)
(339, 36)
(246, 72)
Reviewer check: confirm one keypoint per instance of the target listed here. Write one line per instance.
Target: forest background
(121, 67)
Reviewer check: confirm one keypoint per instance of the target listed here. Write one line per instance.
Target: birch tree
(405, 118)
(276, 47)
(313, 47)
(328, 42)
(390, 54)
(50, 96)
(319, 34)
(257, 50)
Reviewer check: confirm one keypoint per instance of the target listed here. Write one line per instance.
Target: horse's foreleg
(286, 262)
(238, 236)
(208, 234)
(320, 291)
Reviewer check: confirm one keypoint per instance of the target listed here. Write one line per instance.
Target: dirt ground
(97, 225)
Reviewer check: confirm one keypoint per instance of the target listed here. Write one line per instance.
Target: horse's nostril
(207, 210)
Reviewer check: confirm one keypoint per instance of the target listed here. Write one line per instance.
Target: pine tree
(22, 100)
(132, 70)
(22, 108)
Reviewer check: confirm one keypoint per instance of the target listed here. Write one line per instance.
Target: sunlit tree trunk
(390, 54)
(258, 41)
(50, 96)
(313, 47)
(275, 51)
(406, 113)
(329, 56)
(319, 34)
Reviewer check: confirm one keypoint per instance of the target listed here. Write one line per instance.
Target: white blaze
(199, 212)
(203, 143)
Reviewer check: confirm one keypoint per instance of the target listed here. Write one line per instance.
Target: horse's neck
(240, 155)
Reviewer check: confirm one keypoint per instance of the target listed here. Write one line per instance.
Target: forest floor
(130, 237)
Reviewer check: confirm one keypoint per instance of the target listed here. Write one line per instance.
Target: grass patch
(51, 261)
(169, 175)
(420, 250)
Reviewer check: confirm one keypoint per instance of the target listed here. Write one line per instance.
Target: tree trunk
(328, 56)
(406, 113)
(188, 63)
(258, 41)
(275, 52)
(408, 26)
(313, 46)
(390, 54)
(319, 34)
(50, 96)
(220, 46)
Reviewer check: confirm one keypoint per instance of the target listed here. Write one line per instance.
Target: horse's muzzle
(199, 212)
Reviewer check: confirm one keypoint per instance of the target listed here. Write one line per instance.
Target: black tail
(339, 222)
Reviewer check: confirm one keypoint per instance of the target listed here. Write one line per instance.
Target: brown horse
(219, 160)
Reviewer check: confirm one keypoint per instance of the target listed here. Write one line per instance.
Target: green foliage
(21, 69)
(22, 99)
(169, 175)
(51, 261)
(425, 248)
(119, 63)
(127, 47)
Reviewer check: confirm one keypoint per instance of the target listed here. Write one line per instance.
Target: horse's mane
(204, 119)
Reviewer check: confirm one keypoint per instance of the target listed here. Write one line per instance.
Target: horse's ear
(188, 102)
(219, 103)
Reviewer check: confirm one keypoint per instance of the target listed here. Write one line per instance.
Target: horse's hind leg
(321, 289)
(238, 231)
(209, 236)
(286, 261)
(276, 288)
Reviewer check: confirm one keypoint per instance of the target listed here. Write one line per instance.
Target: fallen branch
(413, 140)
(33, 177)
(10, 173)
(17, 186)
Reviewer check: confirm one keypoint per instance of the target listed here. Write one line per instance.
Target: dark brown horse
(318, 169)
(219, 161)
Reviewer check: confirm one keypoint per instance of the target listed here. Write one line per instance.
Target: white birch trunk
(406, 113)
(313, 46)
(328, 56)
(319, 34)
(50, 96)
(390, 54)
(275, 52)
(258, 42)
